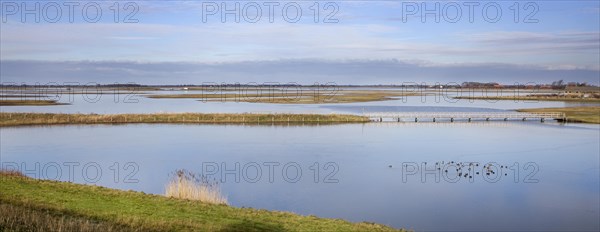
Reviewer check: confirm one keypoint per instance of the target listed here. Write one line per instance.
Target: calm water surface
(559, 162)
(354, 172)
(111, 104)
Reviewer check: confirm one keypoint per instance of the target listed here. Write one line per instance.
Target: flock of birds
(463, 169)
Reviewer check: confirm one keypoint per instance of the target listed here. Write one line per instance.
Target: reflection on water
(351, 171)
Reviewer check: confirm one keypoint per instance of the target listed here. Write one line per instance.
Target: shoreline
(30, 103)
(26, 119)
(583, 114)
(51, 205)
(525, 98)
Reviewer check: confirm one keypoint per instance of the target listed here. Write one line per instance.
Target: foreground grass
(589, 114)
(307, 97)
(29, 103)
(533, 98)
(18, 119)
(39, 205)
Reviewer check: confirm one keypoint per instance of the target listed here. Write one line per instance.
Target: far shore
(307, 97)
(533, 98)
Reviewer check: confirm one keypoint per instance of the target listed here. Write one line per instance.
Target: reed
(190, 186)
(19, 119)
(13, 173)
(30, 103)
(583, 114)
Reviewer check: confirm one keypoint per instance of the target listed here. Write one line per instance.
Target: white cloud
(264, 41)
(286, 71)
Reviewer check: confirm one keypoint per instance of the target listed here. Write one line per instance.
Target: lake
(343, 171)
(545, 175)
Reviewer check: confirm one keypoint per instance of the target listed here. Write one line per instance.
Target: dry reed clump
(188, 185)
(16, 173)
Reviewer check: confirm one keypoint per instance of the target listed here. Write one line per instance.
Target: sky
(346, 42)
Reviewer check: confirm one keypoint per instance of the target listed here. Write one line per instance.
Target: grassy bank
(18, 119)
(35, 205)
(307, 97)
(29, 103)
(533, 98)
(574, 114)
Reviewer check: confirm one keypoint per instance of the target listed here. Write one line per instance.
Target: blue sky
(563, 43)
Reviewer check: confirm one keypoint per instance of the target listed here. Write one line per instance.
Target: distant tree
(560, 84)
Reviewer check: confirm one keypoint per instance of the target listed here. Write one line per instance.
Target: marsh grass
(30, 103)
(306, 97)
(584, 114)
(17, 119)
(533, 98)
(191, 186)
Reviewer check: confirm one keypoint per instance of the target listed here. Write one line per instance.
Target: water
(354, 159)
(112, 104)
(551, 183)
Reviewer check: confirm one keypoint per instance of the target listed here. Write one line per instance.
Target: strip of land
(533, 98)
(307, 97)
(22, 96)
(589, 114)
(28, 204)
(29, 103)
(21, 119)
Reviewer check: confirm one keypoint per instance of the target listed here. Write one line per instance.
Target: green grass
(29, 103)
(589, 114)
(21, 119)
(40, 204)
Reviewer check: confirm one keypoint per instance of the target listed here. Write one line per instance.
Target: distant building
(583, 91)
